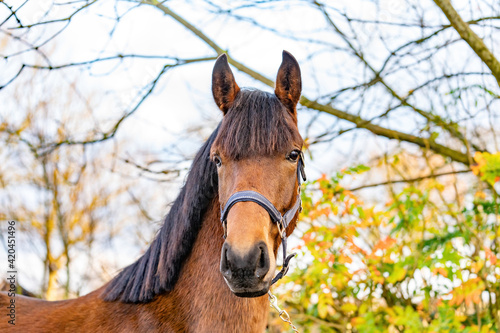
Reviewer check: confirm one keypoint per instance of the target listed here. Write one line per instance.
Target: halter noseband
(282, 221)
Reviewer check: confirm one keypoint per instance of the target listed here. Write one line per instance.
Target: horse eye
(217, 160)
(293, 156)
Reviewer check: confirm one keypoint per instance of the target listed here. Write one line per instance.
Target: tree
(426, 261)
(409, 88)
(393, 73)
(69, 203)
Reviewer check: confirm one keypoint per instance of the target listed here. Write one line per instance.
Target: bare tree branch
(439, 121)
(412, 180)
(358, 121)
(470, 37)
(388, 133)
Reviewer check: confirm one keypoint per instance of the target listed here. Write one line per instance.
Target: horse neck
(201, 300)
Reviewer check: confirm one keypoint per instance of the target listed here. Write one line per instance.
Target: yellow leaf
(397, 274)
(322, 310)
(348, 307)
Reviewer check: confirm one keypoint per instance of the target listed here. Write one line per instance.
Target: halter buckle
(281, 228)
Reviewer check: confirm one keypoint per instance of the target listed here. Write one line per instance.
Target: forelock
(256, 124)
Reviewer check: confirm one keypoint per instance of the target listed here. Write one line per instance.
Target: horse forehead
(264, 173)
(258, 165)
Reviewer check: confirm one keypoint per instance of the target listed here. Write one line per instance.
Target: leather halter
(282, 221)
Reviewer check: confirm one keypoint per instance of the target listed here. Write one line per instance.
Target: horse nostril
(263, 263)
(262, 260)
(224, 263)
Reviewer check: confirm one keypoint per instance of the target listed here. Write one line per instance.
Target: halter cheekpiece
(282, 221)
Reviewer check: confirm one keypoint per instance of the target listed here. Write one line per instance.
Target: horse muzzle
(246, 275)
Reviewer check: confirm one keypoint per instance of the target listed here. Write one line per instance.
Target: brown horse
(181, 283)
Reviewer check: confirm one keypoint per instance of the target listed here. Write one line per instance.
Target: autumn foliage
(418, 262)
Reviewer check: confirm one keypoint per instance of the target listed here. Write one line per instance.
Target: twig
(390, 182)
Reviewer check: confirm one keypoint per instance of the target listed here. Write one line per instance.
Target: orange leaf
(490, 256)
(440, 271)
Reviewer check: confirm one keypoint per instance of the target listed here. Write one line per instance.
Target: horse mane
(257, 123)
(159, 268)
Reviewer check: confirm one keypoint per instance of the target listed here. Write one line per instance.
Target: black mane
(256, 123)
(158, 269)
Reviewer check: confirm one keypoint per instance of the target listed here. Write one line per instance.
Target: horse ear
(288, 82)
(224, 87)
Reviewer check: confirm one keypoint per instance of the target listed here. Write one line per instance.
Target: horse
(213, 260)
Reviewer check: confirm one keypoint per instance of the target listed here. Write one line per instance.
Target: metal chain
(273, 302)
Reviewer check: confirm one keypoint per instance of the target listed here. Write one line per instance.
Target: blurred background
(103, 104)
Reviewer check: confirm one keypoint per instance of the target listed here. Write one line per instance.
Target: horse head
(259, 160)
